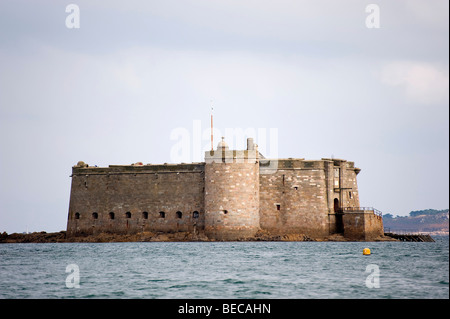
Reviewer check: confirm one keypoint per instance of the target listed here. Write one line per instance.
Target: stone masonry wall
(299, 196)
(349, 185)
(164, 198)
(362, 225)
(373, 226)
(341, 187)
(231, 195)
(293, 199)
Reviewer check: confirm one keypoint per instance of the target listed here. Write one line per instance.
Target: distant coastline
(429, 221)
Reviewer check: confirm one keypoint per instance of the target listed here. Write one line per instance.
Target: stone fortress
(233, 195)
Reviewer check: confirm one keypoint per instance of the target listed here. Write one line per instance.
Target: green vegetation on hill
(425, 221)
(427, 212)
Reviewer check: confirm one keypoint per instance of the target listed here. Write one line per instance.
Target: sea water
(225, 270)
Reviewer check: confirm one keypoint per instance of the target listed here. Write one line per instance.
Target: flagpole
(212, 144)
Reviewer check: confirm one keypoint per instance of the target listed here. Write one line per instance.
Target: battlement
(228, 156)
(224, 155)
(231, 156)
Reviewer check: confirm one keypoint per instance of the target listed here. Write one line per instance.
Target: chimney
(250, 145)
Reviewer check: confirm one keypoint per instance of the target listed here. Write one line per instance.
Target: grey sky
(113, 91)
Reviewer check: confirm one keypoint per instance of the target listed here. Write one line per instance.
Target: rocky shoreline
(61, 237)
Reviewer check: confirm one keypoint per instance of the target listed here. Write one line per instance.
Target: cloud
(421, 82)
(113, 91)
(433, 14)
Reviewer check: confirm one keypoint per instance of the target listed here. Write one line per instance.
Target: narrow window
(350, 195)
(127, 215)
(145, 215)
(162, 215)
(296, 187)
(195, 214)
(225, 211)
(111, 215)
(94, 215)
(278, 207)
(336, 178)
(179, 214)
(77, 215)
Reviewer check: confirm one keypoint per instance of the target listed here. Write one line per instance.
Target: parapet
(233, 156)
(293, 163)
(224, 155)
(139, 169)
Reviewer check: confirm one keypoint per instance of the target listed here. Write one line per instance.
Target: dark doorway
(336, 206)
(339, 223)
(339, 217)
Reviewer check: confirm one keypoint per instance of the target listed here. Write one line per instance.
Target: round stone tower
(231, 192)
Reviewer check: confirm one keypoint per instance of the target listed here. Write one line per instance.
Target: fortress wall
(373, 226)
(354, 225)
(231, 199)
(362, 225)
(341, 178)
(343, 188)
(230, 196)
(350, 195)
(141, 191)
(294, 199)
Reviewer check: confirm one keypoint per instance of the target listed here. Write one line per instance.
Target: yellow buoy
(366, 251)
